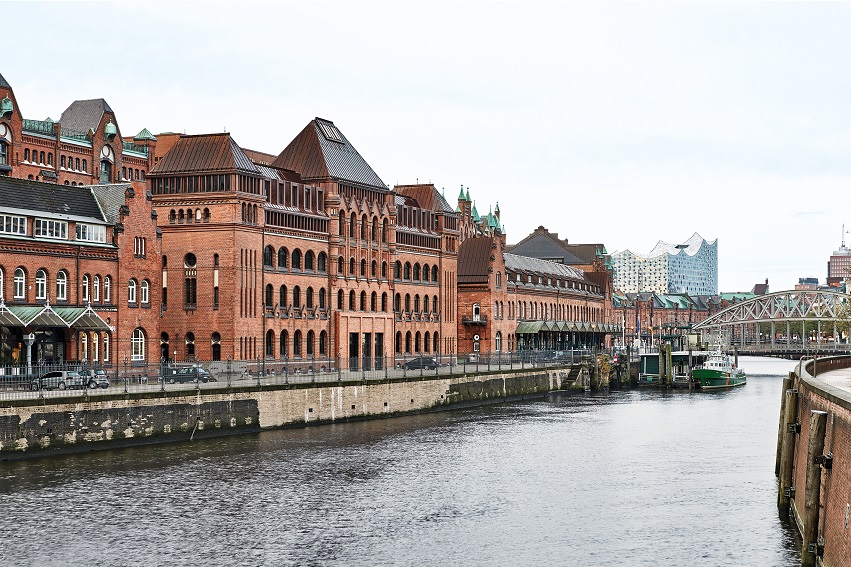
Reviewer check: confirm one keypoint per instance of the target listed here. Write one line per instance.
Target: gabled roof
(111, 198)
(145, 134)
(205, 153)
(322, 152)
(546, 245)
(4, 84)
(525, 264)
(63, 201)
(84, 115)
(427, 196)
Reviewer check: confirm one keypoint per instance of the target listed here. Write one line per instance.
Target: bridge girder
(809, 306)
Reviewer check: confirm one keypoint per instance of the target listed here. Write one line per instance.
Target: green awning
(82, 318)
(8, 317)
(529, 327)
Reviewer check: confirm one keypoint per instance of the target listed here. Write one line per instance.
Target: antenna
(843, 235)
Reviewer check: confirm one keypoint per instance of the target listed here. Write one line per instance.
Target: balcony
(480, 320)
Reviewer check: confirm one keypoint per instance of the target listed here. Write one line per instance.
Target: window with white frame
(1, 283)
(20, 284)
(84, 346)
(140, 246)
(137, 345)
(50, 228)
(96, 289)
(84, 288)
(146, 287)
(95, 347)
(41, 285)
(131, 291)
(10, 224)
(61, 286)
(107, 284)
(91, 232)
(106, 348)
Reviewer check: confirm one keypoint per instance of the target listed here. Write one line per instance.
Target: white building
(690, 267)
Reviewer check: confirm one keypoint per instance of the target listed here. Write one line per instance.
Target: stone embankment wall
(820, 503)
(70, 424)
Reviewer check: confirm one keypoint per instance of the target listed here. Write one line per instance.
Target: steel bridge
(817, 311)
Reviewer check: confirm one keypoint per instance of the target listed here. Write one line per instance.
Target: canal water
(625, 478)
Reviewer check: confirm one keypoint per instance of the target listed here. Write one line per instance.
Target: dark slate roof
(527, 265)
(111, 198)
(546, 246)
(49, 198)
(4, 84)
(84, 115)
(474, 260)
(321, 152)
(204, 153)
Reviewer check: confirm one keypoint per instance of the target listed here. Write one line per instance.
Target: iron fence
(19, 382)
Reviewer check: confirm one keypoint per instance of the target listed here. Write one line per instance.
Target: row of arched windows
(549, 311)
(189, 215)
(373, 268)
(285, 260)
(284, 298)
(37, 157)
(365, 230)
(354, 305)
(134, 174)
(414, 272)
(94, 347)
(417, 342)
(415, 307)
(92, 288)
(301, 345)
(73, 163)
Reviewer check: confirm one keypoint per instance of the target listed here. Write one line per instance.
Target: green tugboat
(718, 372)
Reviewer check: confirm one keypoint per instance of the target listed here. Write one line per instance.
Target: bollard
(787, 452)
(812, 494)
(787, 384)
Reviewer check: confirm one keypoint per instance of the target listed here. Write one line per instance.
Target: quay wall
(834, 492)
(37, 427)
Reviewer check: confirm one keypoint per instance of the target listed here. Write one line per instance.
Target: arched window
(107, 289)
(84, 291)
(342, 223)
(384, 230)
(384, 270)
(282, 296)
(417, 272)
(296, 259)
(216, 343)
(351, 266)
(282, 258)
(477, 312)
(499, 279)
(172, 216)
(61, 286)
(397, 270)
(397, 303)
(282, 349)
(131, 290)
(321, 298)
(146, 292)
(309, 297)
(352, 306)
(311, 339)
(434, 304)
(321, 260)
(426, 344)
(407, 303)
(417, 342)
(340, 266)
(425, 273)
(408, 341)
(363, 223)
(84, 346)
(363, 301)
(137, 345)
(425, 304)
(268, 257)
(353, 222)
(189, 343)
(297, 343)
(435, 343)
(308, 260)
(373, 302)
(373, 272)
(374, 229)
(497, 343)
(384, 302)
(270, 344)
(363, 268)
(340, 301)
(434, 273)
(417, 303)
(269, 292)
(41, 285)
(323, 340)
(399, 342)
(26, 154)
(407, 275)
(96, 289)
(297, 297)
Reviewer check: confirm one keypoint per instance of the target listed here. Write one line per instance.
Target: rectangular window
(13, 225)
(91, 232)
(50, 228)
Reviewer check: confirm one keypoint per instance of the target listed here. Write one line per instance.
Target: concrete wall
(835, 493)
(37, 427)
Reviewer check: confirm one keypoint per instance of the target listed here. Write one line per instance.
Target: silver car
(95, 378)
(60, 379)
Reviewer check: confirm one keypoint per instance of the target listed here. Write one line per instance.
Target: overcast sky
(605, 122)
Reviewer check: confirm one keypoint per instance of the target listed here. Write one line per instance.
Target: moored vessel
(718, 372)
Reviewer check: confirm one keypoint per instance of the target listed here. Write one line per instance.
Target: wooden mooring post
(812, 494)
(785, 490)
(787, 384)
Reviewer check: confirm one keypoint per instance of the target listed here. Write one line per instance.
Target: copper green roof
(461, 195)
(476, 216)
(468, 194)
(145, 134)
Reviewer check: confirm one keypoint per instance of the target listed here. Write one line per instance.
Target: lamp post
(125, 373)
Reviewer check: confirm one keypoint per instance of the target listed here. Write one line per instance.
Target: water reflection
(628, 478)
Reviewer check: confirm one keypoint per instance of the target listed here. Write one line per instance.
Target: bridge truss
(815, 308)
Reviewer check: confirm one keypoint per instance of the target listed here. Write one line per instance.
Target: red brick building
(78, 276)
(305, 255)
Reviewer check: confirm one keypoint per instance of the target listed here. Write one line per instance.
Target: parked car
(95, 378)
(183, 374)
(60, 379)
(426, 362)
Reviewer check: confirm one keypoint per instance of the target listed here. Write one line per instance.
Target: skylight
(330, 132)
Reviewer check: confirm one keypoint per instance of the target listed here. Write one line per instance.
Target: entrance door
(379, 351)
(354, 344)
(367, 351)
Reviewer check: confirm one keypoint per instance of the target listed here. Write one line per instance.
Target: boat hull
(717, 380)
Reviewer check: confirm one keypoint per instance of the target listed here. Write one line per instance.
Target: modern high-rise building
(690, 267)
(839, 265)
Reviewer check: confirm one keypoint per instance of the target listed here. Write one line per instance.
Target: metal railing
(16, 382)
